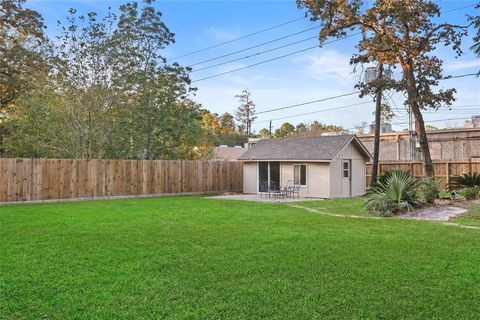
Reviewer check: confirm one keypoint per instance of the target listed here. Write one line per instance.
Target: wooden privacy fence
(444, 170)
(42, 179)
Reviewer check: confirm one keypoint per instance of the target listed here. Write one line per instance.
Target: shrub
(469, 193)
(394, 192)
(430, 189)
(445, 195)
(466, 180)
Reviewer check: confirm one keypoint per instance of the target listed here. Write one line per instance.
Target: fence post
(448, 172)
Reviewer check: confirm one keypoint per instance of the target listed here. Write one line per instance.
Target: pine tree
(245, 113)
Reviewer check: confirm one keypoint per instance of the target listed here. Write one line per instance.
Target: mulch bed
(454, 203)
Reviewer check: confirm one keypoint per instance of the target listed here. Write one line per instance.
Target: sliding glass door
(275, 173)
(269, 171)
(262, 172)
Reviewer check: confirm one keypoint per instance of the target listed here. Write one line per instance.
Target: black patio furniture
(264, 188)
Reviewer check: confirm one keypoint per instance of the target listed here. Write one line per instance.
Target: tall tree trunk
(419, 123)
(378, 111)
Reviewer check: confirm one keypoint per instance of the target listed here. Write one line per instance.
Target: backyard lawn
(194, 257)
(349, 207)
(471, 217)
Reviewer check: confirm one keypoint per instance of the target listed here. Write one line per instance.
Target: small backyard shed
(323, 166)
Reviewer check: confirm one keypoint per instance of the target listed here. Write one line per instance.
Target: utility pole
(376, 74)
(248, 118)
(270, 129)
(378, 111)
(413, 144)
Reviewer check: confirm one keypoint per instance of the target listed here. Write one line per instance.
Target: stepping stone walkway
(434, 213)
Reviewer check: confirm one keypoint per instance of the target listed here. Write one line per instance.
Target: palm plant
(394, 192)
(465, 181)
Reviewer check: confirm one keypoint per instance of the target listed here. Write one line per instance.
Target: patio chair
(295, 190)
(263, 188)
(289, 188)
(273, 189)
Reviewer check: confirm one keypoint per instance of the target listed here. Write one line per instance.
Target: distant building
(251, 142)
(227, 153)
(476, 121)
(384, 128)
(461, 144)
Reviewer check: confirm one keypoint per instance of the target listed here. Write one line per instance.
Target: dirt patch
(455, 203)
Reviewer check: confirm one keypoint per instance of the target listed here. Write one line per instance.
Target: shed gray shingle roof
(300, 148)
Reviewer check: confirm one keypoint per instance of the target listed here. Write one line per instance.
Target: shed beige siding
(250, 177)
(336, 178)
(318, 180)
(358, 177)
(350, 152)
(286, 172)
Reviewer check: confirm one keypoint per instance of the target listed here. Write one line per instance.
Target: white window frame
(299, 165)
(348, 170)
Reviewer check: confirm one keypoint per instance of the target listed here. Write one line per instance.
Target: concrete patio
(258, 198)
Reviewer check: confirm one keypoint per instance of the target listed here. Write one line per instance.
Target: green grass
(471, 217)
(199, 258)
(351, 206)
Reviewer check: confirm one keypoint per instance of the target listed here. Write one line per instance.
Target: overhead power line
(460, 8)
(255, 54)
(318, 111)
(402, 123)
(254, 46)
(303, 50)
(451, 113)
(427, 121)
(274, 40)
(273, 59)
(255, 64)
(459, 76)
(308, 102)
(445, 111)
(276, 58)
(450, 119)
(352, 105)
(453, 108)
(239, 38)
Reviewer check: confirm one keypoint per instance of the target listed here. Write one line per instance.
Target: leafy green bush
(469, 193)
(430, 189)
(445, 195)
(394, 192)
(466, 180)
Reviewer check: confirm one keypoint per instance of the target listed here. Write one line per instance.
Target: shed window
(300, 174)
(346, 169)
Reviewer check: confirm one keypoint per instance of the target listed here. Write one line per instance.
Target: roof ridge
(307, 137)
